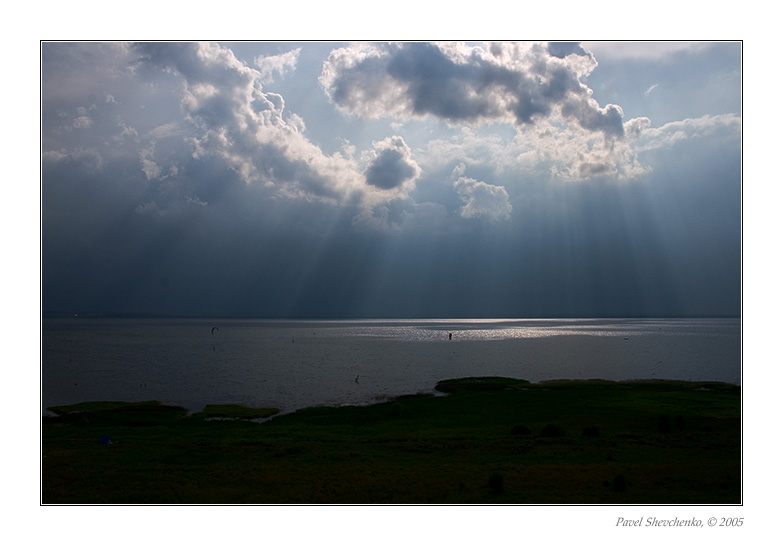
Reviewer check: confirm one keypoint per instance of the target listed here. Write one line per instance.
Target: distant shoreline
(94, 314)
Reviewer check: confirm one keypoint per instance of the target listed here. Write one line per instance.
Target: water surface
(293, 364)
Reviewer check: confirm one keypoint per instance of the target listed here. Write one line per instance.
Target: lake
(298, 363)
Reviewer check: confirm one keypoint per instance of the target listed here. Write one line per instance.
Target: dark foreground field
(491, 440)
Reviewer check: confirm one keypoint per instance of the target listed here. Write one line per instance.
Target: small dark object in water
(357, 379)
(105, 440)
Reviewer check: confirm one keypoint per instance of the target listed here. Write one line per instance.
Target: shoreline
(434, 392)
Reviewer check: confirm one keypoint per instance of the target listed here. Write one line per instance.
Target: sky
(404, 179)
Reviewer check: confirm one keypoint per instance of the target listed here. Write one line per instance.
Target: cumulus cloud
(521, 83)
(277, 65)
(481, 200)
(159, 113)
(180, 113)
(549, 152)
(391, 166)
(247, 127)
(536, 88)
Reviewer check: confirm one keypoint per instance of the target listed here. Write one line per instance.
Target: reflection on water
(292, 364)
(496, 329)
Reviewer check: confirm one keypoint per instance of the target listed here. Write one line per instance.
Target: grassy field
(490, 440)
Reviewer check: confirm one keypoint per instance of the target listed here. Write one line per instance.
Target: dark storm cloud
(522, 83)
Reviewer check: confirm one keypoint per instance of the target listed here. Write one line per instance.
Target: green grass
(480, 384)
(464, 447)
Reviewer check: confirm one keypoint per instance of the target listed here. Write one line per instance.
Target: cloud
(534, 88)
(248, 128)
(278, 65)
(148, 165)
(571, 153)
(481, 200)
(82, 120)
(549, 152)
(180, 113)
(88, 159)
(391, 166)
(523, 114)
(564, 49)
(649, 138)
(520, 83)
